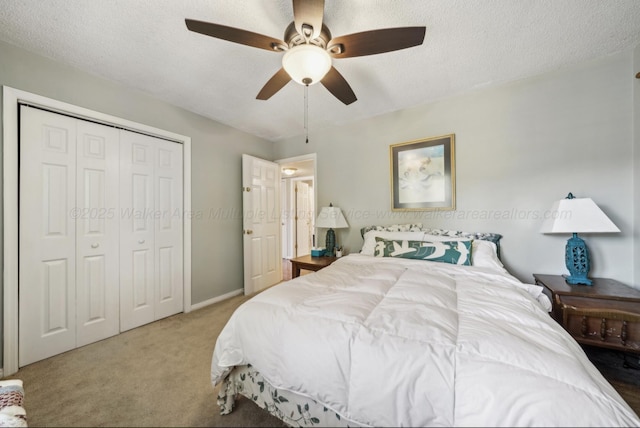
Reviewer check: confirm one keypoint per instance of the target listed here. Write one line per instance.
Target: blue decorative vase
(577, 260)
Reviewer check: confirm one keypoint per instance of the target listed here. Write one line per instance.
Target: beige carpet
(158, 375)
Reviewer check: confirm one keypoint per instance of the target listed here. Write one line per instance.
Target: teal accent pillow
(454, 252)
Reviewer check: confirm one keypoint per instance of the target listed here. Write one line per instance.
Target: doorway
(298, 202)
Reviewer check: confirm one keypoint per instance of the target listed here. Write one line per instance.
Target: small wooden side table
(605, 314)
(309, 263)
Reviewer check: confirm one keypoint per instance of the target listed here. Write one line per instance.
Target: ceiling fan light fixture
(306, 64)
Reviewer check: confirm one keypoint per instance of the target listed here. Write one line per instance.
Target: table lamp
(577, 215)
(331, 217)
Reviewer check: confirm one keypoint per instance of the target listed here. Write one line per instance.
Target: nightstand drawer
(606, 314)
(605, 327)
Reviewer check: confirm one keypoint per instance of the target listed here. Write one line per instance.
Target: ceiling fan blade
(376, 41)
(308, 15)
(274, 84)
(338, 86)
(235, 35)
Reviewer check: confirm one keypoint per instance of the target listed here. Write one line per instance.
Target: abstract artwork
(423, 174)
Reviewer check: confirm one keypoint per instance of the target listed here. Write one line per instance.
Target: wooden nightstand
(310, 263)
(605, 314)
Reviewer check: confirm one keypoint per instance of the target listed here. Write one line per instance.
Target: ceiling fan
(309, 48)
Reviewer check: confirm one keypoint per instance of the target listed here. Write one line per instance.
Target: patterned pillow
(491, 237)
(454, 252)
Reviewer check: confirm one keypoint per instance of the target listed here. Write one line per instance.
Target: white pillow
(485, 254)
(369, 245)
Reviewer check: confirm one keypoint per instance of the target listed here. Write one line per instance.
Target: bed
(423, 327)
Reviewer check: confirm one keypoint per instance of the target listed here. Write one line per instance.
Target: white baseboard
(217, 299)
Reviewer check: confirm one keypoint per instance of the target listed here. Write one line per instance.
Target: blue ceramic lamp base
(331, 242)
(577, 261)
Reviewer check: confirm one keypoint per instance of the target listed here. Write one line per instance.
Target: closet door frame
(11, 99)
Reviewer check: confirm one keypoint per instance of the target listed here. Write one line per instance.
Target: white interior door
(151, 229)
(97, 230)
(137, 230)
(261, 223)
(168, 229)
(47, 256)
(285, 224)
(303, 219)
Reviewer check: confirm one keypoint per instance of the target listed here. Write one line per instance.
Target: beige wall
(519, 147)
(216, 158)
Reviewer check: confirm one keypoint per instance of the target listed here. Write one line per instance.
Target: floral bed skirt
(12, 412)
(294, 409)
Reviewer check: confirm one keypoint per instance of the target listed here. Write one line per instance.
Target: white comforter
(396, 342)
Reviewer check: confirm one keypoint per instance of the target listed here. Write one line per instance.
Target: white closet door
(47, 259)
(137, 229)
(168, 229)
(151, 229)
(101, 232)
(97, 230)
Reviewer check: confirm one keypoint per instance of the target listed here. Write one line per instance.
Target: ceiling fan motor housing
(293, 38)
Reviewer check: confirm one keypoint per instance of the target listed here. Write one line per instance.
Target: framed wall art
(423, 174)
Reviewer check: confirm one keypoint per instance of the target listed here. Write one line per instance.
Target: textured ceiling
(469, 44)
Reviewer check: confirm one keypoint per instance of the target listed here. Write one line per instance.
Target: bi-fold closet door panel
(169, 237)
(97, 229)
(68, 257)
(151, 234)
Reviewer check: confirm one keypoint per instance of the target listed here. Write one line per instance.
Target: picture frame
(423, 174)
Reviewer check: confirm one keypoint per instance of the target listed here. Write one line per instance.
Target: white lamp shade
(331, 218)
(306, 62)
(577, 215)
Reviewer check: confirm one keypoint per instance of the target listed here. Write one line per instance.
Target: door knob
(141, 241)
(95, 245)
(248, 231)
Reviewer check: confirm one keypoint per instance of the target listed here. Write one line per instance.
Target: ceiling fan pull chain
(306, 113)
